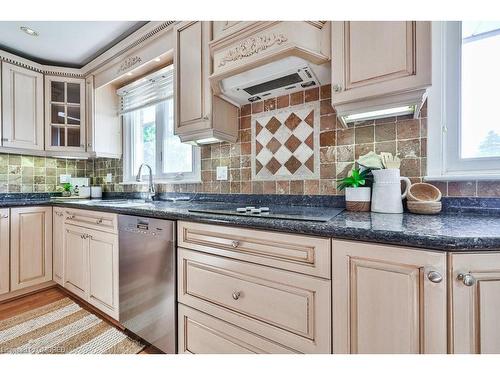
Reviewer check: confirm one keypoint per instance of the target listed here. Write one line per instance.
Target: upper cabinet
(64, 114)
(22, 102)
(199, 116)
(379, 65)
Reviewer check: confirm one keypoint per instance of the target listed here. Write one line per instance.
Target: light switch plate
(221, 173)
(63, 178)
(109, 177)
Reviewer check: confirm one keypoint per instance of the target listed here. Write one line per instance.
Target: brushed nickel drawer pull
(99, 221)
(466, 278)
(435, 277)
(235, 244)
(236, 295)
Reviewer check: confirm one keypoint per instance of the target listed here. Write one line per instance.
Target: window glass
(177, 156)
(480, 94)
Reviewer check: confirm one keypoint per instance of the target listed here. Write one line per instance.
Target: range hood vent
(274, 79)
(274, 84)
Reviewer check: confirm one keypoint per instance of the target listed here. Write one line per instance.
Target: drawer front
(285, 304)
(102, 221)
(303, 254)
(200, 333)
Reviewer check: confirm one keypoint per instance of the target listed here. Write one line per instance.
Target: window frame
(129, 176)
(444, 112)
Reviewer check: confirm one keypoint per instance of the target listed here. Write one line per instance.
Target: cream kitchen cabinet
(4, 251)
(475, 302)
(379, 64)
(252, 287)
(199, 116)
(76, 260)
(30, 246)
(58, 245)
(91, 259)
(103, 271)
(64, 114)
(388, 299)
(22, 112)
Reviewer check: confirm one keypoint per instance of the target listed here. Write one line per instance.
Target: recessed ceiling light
(29, 31)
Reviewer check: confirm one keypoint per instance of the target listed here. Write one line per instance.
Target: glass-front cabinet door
(64, 113)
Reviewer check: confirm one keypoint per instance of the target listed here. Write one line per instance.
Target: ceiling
(64, 43)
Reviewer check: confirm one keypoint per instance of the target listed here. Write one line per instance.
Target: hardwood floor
(38, 299)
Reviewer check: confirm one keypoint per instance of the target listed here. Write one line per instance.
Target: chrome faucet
(151, 188)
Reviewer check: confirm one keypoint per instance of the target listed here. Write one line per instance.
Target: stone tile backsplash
(337, 149)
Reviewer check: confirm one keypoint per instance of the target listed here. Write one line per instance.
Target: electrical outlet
(221, 173)
(64, 178)
(109, 177)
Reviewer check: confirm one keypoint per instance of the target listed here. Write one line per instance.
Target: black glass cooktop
(304, 213)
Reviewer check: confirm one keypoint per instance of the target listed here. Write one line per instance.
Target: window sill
(463, 177)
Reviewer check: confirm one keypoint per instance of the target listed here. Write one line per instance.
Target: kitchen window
(147, 113)
(463, 122)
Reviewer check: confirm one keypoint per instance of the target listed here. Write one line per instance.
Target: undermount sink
(122, 203)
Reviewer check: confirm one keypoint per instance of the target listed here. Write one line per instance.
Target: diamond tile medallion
(285, 143)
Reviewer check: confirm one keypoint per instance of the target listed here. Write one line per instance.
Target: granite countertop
(445, 232)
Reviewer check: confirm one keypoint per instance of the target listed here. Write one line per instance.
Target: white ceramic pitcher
(386, 196)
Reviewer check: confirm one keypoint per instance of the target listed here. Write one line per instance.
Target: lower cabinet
(388, 299)
(91, 267)
(200, 333)
(30, 246)
(475, 303)
(289, 311)
(103, 272)
(58, 245)
(4, 251)
(76, 260)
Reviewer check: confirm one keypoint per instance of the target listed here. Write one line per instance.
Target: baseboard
(7, 297)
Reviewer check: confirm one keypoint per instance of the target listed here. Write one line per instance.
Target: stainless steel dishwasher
(147, 279)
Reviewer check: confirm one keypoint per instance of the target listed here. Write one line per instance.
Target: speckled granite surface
(446, 232)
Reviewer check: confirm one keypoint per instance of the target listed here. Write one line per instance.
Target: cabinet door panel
(31, 246)
(58, 245)
(373, 59)
(4, 251)
(383, 301)
(75, 260)
(368, 58)
(103, 272)
(475, 307)
(192, 68)
(22, 100)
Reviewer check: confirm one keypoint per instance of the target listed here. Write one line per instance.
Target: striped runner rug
(63, 327)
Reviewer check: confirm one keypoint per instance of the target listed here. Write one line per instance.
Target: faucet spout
(151, 187)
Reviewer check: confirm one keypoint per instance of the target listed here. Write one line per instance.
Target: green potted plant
(66, 189)
(357, 195)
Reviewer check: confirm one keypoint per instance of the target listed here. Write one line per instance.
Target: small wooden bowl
(423, 192)
(424, 208)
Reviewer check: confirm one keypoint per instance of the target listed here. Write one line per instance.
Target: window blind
(147, 91)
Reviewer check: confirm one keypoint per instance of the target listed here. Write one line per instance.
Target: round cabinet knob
(236, 295)
(235, 244)
(466, 278)
(435, 277)
(337, 88)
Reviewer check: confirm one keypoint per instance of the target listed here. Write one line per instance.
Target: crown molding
(149, 31)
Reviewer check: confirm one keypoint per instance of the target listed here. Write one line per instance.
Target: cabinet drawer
(200, 333)
(102, 221)
(285, 307)
(304, 254)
